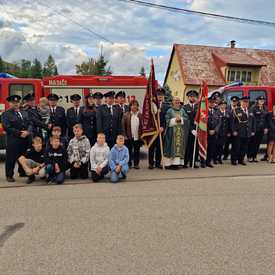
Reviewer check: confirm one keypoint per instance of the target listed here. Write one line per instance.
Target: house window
(243, 76)
(232, 75)
(238, 76)
(248, 79)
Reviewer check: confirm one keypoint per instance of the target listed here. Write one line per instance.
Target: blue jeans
(53, 176)
(115, 177)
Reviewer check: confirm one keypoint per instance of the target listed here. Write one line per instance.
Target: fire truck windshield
(21, 89)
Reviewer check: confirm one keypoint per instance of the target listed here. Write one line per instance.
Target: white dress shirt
(135, 125)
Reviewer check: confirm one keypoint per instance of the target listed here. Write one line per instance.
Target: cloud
(31, 29)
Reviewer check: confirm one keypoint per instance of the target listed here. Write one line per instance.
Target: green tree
(142, 71)
(2, 65)
(25, 68)
(36, 69)
(50, 68)
(168, 94)
(94, 67)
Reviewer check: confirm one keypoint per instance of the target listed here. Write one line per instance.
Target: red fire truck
(253, 92)
(66, 85)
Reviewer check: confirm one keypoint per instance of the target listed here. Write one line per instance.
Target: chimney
(232, 44)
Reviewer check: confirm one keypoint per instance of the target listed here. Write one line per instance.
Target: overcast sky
(29, 29)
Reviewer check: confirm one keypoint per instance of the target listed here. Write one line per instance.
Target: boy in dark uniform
(17, 126)
(243, 126)
(233, 105)
(109, 119)
(74, 114)
(58, 114)
(213, 127)
(224, 130)
(154, 150)
(191, 109)
(121, 99)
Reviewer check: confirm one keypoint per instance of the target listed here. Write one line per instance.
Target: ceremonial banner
(201, 121)
(150, 123)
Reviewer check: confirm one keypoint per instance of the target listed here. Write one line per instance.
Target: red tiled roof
(202, 63)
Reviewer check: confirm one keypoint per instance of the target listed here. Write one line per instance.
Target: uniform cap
(121, 94)
(109, 94)
(234, 98)
(192, 93)
(28, 97)
(75, 97)
(53, 97)
(14, 98)
(98, 95)
(260, 97)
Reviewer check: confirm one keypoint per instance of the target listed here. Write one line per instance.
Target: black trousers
(155, 153)
(221, 141)
(81, 172)
(239, 148)
(188, 158)
(211, 148)
(226, 151)
(96, 177)
(254, 144)
(134, 151)
(16, 147)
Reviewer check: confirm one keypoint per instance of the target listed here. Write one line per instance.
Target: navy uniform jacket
(36, 121)
(59, 118)
(242, 123)
(124, 108)
(13, 124)
(107, 123)
(88, 121)
(260, 115)
(191, 112)
(72, 119)
(214, 121)
(224, 129)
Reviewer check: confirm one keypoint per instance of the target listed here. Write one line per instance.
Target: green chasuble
(176, 134)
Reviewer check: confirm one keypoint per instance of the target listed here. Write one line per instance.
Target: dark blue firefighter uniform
(13, 123)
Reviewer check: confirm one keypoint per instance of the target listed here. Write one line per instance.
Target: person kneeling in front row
(33, 161)
(55, 160)
(78, 153)
(99, 155)
(118, 160)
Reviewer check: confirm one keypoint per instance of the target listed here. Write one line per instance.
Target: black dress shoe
(220, 161)
(255, 160)
(196, 166)
(243, 163)
(159, 166)
(184, 166)
(234, 163)
(264, 158)
(30, 179)
(10, 179)
(203, 165)
(151, 167)
(209, 165)
(215, 162)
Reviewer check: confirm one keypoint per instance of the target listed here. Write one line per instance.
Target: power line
(200, 13)
(78, 24)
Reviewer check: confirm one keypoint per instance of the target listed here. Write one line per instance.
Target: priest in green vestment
(176, 135)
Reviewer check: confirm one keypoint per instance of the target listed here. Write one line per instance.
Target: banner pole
(160, 142)
(195, 146)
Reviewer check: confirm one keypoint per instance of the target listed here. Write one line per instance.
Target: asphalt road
(210, 221)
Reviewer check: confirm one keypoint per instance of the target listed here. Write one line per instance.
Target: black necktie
(76, 112)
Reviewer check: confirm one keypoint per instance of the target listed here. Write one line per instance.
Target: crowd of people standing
(104, 135)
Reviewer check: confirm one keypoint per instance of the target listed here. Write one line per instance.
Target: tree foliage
(29, 69)
(93, 66)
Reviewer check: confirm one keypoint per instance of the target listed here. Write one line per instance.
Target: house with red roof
(189, 65)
